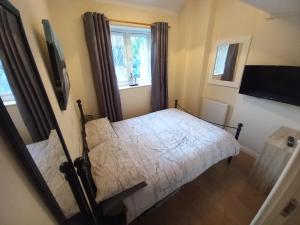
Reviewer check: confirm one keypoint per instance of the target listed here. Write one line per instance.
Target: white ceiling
(170, 5)
(276, 6)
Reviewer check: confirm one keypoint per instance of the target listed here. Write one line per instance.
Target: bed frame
(101, 210)
(238, 128)
(110, 211)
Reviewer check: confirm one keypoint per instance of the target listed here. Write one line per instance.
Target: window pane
(140, 61)
(221, 59)
(4, 86)
(131, 53)
(119, 55)
(5, 92)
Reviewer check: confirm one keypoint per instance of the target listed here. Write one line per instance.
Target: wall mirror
(227, 62)
(26, 113)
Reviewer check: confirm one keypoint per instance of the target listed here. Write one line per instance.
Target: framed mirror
(27, 117)
(227, 62)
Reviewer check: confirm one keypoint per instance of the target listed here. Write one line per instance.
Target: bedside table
(272, 160)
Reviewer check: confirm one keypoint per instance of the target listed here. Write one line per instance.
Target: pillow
(37, 151)
(112, 168)
(53, 156)
(97, 131)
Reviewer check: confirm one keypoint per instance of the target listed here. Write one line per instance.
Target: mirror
(25, 99)
(225, 62)
(229, 57)
(46, 150)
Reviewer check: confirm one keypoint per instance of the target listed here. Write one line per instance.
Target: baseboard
(249, 151)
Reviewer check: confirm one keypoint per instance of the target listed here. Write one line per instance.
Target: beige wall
(133, 106)
(194, 31)
(20, 202)
(32, 13)
(198, 25)
(275, 42)
(67, 22)
(195, 27)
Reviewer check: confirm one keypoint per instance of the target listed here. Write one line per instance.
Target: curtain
(230, 62)
(23, 77)
(98, 41)
(159, 66)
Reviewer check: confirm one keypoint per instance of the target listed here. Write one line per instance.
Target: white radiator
(214, 111)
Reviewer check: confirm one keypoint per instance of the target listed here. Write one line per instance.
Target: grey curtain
(98, 41)
(230, 62)
(23, 77)
(159, 66)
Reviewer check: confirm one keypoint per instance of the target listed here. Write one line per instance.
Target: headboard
(83, 166)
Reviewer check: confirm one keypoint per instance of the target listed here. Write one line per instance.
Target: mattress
(172, 149)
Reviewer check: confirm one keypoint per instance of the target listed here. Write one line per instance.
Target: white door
(284, 197)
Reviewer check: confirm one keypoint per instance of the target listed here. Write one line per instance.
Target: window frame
(127, 32)
(8, 99)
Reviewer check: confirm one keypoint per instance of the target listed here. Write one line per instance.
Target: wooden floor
(220, 196)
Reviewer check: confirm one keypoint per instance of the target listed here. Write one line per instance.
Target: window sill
(10, 103)
(133, 87)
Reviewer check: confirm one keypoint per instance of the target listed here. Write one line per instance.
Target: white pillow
(112, 168)
(98, 131)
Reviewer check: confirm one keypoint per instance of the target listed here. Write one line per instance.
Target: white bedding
(172, 149)
(48, 155)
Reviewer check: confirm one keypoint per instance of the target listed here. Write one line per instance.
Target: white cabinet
(273, 158)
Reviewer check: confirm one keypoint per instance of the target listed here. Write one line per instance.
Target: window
(131, 53)
(221, 59)
(5, 91)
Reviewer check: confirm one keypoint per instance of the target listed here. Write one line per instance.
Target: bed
(48, 156)
(170, 148)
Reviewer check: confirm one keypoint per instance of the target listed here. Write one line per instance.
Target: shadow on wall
(261, 118)
(273, 107)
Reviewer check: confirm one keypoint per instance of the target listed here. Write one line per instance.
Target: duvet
(171, 149)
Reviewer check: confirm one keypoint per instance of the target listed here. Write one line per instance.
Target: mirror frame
(22, 154)
(240, 63)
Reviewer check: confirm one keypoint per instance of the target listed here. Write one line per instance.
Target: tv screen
(59, 78)
(278, 83)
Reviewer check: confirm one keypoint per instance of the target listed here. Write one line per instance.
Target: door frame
(286, 186)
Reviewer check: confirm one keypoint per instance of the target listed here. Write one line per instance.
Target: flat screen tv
(278, 83)
(60, 79)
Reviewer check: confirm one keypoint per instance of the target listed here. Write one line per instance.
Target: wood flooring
(220, 196)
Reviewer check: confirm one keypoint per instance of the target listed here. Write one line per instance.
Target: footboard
(238, 128)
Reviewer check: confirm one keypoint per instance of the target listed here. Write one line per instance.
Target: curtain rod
(131, 22)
